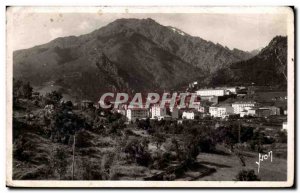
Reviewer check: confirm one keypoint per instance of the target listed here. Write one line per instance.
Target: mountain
(200, 53)
(127, 55)
(268, 67)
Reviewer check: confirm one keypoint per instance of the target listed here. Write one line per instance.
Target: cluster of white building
(222, 91)
(154, 112)
(244, 108)
(241, 108)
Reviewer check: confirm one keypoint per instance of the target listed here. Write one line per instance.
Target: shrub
(83, 139)
(282, 137)
(247, 175)
(53, 98)
(138, 151)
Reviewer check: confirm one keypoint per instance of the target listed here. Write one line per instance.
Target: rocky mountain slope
(268, 67)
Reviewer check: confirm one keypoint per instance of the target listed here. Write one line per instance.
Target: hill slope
(268, 67)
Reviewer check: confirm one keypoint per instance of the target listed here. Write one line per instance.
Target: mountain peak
(134, 20)
(140, 54)
(277, 39)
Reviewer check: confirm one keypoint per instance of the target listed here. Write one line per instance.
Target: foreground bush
(247, 175)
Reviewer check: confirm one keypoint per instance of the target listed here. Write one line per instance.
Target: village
(221, 103)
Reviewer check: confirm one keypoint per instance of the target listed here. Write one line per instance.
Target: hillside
(128, 55)
(268, 67)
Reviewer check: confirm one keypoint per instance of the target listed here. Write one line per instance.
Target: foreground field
(228, 166)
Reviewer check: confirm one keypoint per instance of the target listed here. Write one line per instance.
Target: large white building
(135, 113)
(188, 115)
(211, 92)
(157, 111)
(220, 91)
(238, 107)
(221, 111)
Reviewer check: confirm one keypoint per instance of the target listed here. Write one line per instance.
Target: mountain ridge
(268, 67)
(128, 54)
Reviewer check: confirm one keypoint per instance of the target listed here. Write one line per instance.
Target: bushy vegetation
(21, 90)
(247, 175)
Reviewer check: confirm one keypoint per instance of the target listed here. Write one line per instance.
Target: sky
(242, 31)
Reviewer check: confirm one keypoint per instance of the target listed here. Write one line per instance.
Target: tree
(21, 90)
(53, 98)
(27, 90)
(137, 149)
(116, 126)
(247, 175)
(282, 137)
(84, 139)
(143, 124)
(246, 134)
(159, 139)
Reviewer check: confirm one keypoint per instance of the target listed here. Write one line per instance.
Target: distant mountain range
(134, 55)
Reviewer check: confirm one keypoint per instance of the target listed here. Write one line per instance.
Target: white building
(211, 92)
(213, 111)
(284, 126)
(229, 90)
(233, 90)
(221, 111)
(157, 111)
(135, 113)
(188, 115)
(244, 113)
(251, 111)
(238, 107)
(201, 109)
(261, 111)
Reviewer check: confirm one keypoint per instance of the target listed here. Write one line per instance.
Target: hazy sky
(242, 31)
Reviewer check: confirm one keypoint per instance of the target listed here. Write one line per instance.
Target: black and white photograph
(150, 96)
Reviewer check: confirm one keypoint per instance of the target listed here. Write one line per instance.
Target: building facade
(188, 115)
(238, 107)
(157, 111)
(133, 114)
(221, 111)
(263, 111)
(210, 92)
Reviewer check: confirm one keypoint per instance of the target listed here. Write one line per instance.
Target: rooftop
(244, 102)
